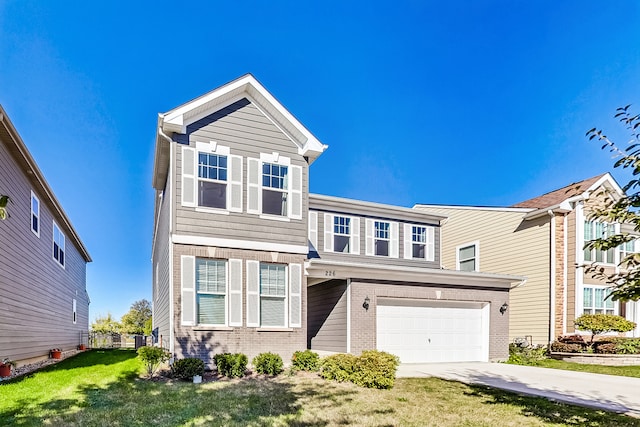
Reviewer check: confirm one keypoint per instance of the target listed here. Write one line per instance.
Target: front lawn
(99, 388)
(624, 371)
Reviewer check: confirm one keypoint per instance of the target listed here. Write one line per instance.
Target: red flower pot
(56, 354)
(82, 347)
(5, 370)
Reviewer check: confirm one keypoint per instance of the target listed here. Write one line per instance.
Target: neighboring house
(43, 299)
(246, 260)
(542, 239)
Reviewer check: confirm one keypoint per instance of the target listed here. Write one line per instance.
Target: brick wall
(560, 265)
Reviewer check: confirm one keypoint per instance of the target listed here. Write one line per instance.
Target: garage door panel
(431, 334)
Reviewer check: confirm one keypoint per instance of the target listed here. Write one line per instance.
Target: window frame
(199, 178)
(60, 259)
(284, 191)
(593, 253)
(285, 297)
(377, 238)
(75, 311)
(35, 215)
(591, 309)
(197, 293)
(475, 258)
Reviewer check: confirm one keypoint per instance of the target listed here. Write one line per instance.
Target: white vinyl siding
(35, 214)
(58, 245)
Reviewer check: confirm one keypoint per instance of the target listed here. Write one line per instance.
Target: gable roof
(16, 146)
(177, 120)
(579, 188)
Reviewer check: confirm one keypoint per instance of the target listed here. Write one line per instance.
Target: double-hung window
(381, 238)
(58, 245)
(627, 248)
(341, 234)
(212, 180)
(598, 230)
(273, 295)
(467, 257)
(418, 241)
(595, 301)
(35, 214)
(211, 291)
(275, 187)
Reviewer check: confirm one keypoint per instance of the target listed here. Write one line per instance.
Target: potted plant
(56, 353)
(82, 347)
(5, 367)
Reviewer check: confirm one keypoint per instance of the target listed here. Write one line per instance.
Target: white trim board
(239, 244)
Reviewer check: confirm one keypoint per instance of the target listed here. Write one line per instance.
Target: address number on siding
(328, 273)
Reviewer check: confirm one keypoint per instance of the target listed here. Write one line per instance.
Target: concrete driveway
(612, 393)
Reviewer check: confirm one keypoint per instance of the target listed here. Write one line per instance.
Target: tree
(625, 281)
(603, 323)
(134, 321)
(105, 325)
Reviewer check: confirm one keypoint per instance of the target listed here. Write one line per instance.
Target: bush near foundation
(602, 323)
(305, 360)
(565, 347)
(372, 369)
(187, 368)
(231, 365)
(618, 345)
(526, 355)
(152, 358)
(268, 363)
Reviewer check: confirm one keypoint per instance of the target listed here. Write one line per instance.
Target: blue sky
(453, 102)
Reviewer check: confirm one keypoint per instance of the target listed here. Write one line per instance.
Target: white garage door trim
(429, 331)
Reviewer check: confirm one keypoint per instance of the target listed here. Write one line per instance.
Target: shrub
(338, 367)
(526, 355)
(572, 339)
(605, 347)
(268, 363)
(603, 323)
(231, 364)
(185, 369)
(305, 360)
(563, 347)
(152, 357)
(628, 345)
(375, 369)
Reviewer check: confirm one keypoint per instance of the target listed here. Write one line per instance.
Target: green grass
(105, 389)
(624, 371)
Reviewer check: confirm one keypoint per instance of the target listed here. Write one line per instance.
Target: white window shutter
(313, 229)
(188, 176)
(188, 286)
(235, 184)
(355, 236)
(253, 294)
(393, 244)
(328, 232)
(430, 252)
(295, 192)
(369, 236)
(408, 252)
(235, 292)
(295, 295)
(253, 186)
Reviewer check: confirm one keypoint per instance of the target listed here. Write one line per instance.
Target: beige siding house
(43, 299)
(246, 260)
(542, 239)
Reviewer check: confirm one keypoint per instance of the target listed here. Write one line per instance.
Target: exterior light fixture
(366, 302)
(503, 308)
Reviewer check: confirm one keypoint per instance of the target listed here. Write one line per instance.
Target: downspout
(552, 274)
(565, 274)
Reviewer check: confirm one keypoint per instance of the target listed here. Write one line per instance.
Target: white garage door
(427, 331)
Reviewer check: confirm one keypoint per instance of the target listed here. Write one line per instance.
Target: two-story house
(246, 260)
(543, 239)
(43, 298)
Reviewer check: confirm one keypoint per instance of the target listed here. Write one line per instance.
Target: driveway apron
(608, 392)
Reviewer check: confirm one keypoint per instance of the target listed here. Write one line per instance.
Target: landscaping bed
(598, 359)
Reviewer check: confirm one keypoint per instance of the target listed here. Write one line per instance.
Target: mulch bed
(31, 367)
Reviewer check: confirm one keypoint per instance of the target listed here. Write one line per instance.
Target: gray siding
(36, 311)
(162, 269)
(248, 132)
(327, 320)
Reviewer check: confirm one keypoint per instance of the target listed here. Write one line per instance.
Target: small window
(467, 257)
(382, 238)
(273, 295)
(212, 180)
(418, 241)
(211, 297)
(58, 245)
(595, 301)
(598, 230)
(274, 189)
(75, 312)
(341, 234)
(35, 215)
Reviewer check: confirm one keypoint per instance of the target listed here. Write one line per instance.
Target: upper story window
(273, 295)
(595, 301)
(341, 234)
(211, 291)
(628, 248)
(419, 242)
(35, 214)
(382, 238)
(275, 189)
(212, 180)
(58, 245)
(467, 257)
(598, 230)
